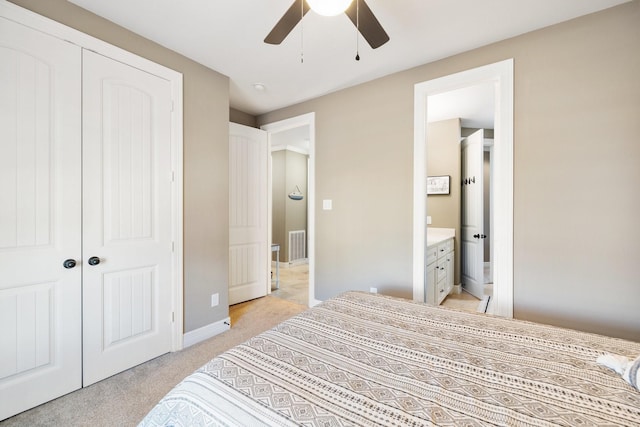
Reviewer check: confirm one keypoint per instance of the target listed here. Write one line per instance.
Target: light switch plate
(327, 205)
(428, 220)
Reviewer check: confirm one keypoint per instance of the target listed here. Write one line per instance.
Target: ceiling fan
(357, 10)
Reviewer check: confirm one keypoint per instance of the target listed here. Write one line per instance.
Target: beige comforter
(363, 359)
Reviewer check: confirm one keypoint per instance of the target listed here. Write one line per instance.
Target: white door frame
(308, 119)
(61, 31)
(501, 75)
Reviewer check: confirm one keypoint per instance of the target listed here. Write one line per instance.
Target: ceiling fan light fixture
(329, 7)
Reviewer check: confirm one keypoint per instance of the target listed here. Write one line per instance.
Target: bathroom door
(472, 245)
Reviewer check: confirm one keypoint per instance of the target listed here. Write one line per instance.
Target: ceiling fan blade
(288, 22)
(369, 26)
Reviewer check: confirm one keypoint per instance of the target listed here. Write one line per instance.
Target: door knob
(69, 263)
(94, 260)
(476, 236)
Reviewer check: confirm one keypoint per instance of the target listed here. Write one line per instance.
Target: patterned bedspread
(364, 359)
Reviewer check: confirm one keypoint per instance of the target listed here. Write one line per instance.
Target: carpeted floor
(125, 398)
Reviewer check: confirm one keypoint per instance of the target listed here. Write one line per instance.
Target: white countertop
(436, 235)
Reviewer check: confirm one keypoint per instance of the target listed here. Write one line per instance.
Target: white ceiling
(295, 138)
(474, 105)
(227, 36)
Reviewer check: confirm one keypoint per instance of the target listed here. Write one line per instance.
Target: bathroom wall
(443, 158)
(289, 169)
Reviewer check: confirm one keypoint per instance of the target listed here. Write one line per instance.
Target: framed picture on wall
(438, 184)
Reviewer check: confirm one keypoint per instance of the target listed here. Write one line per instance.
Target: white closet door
(126, 217)
(40, 176)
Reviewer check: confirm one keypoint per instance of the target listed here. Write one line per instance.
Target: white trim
(491, 210)
(501, 75)
(45, 25)
(178, 209)
(419, 192)
(308, 119)
(269, 216)
(206, 332)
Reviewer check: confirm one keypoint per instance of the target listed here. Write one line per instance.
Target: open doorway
(291, 208)
(289, 228)
(500, 78)
(458, 124)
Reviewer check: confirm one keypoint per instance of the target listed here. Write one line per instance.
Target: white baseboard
(300, 261)
(314, 302)
(205, 332)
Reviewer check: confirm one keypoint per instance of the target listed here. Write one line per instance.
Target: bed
(364, 359)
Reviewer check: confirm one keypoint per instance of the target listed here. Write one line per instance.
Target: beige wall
(296, 209)
(206, 141)
(242, 118)
(288, 170)
(364, 165)
(443, 158)
(577, 104)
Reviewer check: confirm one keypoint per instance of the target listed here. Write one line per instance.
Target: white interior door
(40, 180)
(249, 260)
(472, 244)
(127, 242)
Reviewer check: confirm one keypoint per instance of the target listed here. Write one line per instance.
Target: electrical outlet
(215, 300)
(373, 290)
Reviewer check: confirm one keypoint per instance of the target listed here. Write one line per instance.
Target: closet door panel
(40, 218)
(128, 157)
(126, 216)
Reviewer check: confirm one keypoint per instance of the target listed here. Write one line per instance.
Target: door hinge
(173, 176)
(172, 106)
(173, 317)
(173, 246)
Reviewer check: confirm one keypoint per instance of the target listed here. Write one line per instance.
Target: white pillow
(630, 370)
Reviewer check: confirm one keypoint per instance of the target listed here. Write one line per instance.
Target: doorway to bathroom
(500, 78)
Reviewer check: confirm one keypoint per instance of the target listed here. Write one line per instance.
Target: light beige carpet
(124, 399)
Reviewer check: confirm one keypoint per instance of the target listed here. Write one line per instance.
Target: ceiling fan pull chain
(301, 32)
(357, 30)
